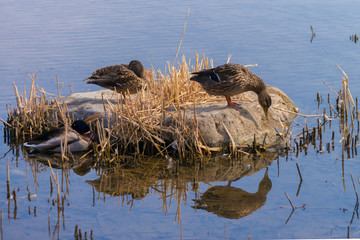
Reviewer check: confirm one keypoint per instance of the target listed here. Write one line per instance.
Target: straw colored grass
(31, 115)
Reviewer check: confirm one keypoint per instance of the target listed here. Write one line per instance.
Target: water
(71, 39)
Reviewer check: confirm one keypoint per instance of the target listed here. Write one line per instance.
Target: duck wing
(224, 73)
(228, 79)
(208, 77)
(117, 76)
(107, 73)
(53, 139)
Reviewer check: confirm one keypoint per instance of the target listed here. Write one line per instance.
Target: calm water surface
(72, 38)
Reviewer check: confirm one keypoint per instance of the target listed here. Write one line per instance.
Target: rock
(85, 104)
(217, 123)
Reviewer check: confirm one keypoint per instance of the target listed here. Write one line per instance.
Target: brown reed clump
(39, 112)
(137, 124)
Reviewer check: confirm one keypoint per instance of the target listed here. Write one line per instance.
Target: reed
(32, 115)
(8, 181)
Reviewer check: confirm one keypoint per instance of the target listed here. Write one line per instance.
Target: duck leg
(231, 103)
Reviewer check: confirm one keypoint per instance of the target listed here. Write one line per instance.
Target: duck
(121, 78)
(231, 79)
(79, 138)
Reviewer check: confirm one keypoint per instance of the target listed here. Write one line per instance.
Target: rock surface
(219, 125)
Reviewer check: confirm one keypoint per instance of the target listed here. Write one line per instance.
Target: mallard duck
(121, 78)
(231, 79)
(79, 138)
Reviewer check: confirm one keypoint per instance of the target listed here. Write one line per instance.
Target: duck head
(80, 126)
(137, 68)
(264, 101)
(265, 184)
(83, 129)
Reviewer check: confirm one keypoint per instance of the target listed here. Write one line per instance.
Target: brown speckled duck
(231, 79)
(121, 78)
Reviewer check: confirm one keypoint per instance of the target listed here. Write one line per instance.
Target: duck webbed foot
(232, 104)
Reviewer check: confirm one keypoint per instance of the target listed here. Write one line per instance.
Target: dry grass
(33, 114)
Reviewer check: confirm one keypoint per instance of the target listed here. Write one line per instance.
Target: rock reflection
(234, 203)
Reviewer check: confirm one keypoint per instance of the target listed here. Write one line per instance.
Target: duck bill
(266, 114)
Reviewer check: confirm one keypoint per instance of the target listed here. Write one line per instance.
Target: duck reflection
(80, 164)
(234, 203)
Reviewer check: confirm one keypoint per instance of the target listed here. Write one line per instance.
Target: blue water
(70, 39)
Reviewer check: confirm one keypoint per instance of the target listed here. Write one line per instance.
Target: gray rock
(218, 123)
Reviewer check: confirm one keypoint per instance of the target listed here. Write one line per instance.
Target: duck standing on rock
(231, 79)
(121, 78)
(79, 138)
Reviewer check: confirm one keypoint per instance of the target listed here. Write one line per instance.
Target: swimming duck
(121, 78)
(79, 138)
(231, 79)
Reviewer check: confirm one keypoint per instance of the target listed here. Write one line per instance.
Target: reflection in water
(354, 38)
(80, 164)
(234, 203)
(124, 183)
(59, 185)
(135, 179)
(154, 176)
(313, 34)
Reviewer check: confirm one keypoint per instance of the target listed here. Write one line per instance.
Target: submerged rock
(218, 124)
